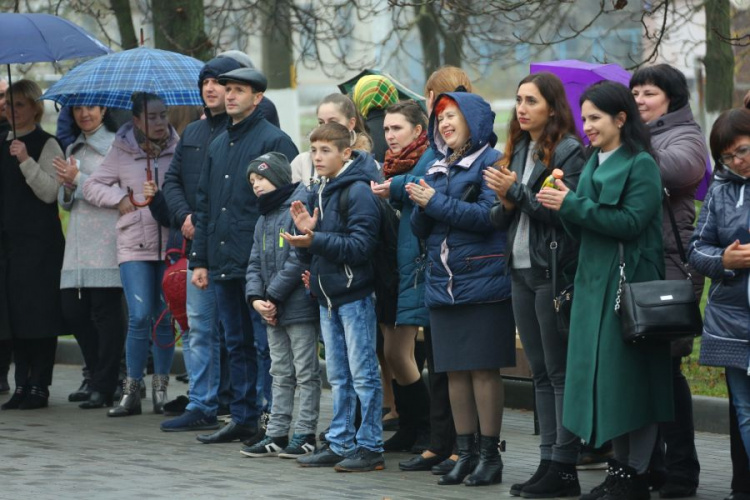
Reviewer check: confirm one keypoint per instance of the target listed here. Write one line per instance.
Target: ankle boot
(159, 392)
(610, 482)
(38, 397)
(97, 400)
(16, 399)
(130, 404)
(541, 470)
(561, 480)
(467, 460)
(629, 486)
(489, 470)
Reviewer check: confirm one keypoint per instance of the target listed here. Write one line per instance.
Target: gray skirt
(473, 336)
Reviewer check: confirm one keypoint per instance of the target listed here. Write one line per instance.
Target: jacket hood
(100, 141)
(724, 174)
(125, 140)
(682, 117)
(361, 168)
(479, 116)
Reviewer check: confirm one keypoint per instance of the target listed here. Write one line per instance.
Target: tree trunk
(428, 29)
(719, 60)
(277, 45)
(179, 27)
(453, 39)
(124, 16)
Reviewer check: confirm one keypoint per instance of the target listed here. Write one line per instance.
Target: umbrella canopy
(27, 38)
(576, 76)
(111, 80)
(404, 93)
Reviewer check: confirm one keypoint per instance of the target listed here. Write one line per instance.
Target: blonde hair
(29, 90)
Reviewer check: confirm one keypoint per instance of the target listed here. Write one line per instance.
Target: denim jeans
(263, 386)
(547, 354)
(234, 315)
(294, 364)
(201, 348)
(739, 387)
(141, 284)
(352, 366)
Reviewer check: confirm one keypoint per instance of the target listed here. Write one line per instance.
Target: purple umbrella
(576, 76)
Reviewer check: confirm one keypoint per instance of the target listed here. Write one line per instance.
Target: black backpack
(384, 260)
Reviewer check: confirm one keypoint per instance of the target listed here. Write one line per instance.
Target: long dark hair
(670, 80)
(730, 125)
(613, 98)
(558, 124)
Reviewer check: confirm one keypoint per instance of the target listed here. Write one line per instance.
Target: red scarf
(399, 163)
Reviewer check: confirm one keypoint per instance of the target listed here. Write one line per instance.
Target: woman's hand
(420, 193)
(67, 170)
(150, 189)
(553, 198)
(302, 218)
(18, 149)
(736, 256)
(125, 206)
(299, 240)
(382, 190)
(500, 179)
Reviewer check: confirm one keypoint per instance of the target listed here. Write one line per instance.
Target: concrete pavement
(64, 452)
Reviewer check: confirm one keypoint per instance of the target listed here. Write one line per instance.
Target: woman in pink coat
(140, 242)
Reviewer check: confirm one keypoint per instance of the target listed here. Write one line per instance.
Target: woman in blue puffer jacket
(467, 284)
(720, 250)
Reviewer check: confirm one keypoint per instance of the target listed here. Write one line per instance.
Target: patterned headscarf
(374, 92)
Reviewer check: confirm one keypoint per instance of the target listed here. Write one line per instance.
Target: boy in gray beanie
(275, 290)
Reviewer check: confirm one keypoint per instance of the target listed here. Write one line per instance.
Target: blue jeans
(352, 366)
(141, 284)
(739, 387)
(234, 315)
(201, 348)
(263, 386)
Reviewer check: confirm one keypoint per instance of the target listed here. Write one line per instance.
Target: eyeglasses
(739, 153)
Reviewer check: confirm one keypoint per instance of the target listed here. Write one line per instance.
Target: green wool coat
(612, 388)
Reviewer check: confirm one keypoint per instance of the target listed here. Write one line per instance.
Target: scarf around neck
(149, 146)
(273, 200)
(402, 162)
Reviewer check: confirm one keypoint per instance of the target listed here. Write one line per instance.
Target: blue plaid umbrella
(111, 80)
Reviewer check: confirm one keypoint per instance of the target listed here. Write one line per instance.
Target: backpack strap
(344, 204)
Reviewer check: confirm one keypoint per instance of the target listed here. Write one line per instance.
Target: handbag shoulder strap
(678, 240)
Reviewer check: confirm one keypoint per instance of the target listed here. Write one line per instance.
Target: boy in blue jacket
(340, 248)
(274, 289)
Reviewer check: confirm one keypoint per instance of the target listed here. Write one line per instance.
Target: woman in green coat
(614, 390)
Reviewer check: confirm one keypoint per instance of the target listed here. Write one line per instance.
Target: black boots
(561, 480)
(82, 393)
(489, 470)
(622, 483)
(16, 399)
(97, 400)
(413, 404)
(38, 397)
(130, 404)
(541, 470)
(467, 460)
(159, 398)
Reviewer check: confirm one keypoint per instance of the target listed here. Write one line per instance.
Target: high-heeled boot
(130, 404)
(159, 385)
(467, 460)
(489, 470)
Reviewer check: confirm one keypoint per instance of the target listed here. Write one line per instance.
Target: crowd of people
(402, 236)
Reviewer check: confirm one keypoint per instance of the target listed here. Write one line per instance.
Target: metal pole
(12, 108)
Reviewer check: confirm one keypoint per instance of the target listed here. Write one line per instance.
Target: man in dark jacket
(225, 217)
(201, 347)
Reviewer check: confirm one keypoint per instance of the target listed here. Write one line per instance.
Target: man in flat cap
(225, 217)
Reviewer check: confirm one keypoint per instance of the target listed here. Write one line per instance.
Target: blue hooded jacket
(723, 218)
(465, 253)
(341, 253)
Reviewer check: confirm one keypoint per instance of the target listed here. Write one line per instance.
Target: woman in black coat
(32, 246)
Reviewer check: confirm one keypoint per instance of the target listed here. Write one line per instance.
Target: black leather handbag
(658, 311)
(563, 298)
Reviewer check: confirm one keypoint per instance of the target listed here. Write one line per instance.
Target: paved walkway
(65, 452)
